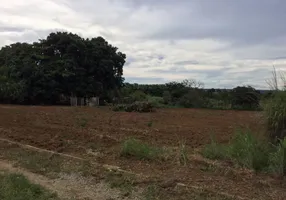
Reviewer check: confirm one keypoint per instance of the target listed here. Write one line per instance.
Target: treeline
(191, 94)
(62, 65)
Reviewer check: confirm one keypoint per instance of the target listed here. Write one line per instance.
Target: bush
(138, 95)
(139, 106)
(217, 104)
(157, 102)
(167, 97)
(119, 107)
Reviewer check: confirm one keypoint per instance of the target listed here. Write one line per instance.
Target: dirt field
(96, 134)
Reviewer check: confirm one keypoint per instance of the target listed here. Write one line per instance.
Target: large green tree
(61, 64)
(245, 97)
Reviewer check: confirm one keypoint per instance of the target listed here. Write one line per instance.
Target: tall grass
(249, 151)
(275, 115)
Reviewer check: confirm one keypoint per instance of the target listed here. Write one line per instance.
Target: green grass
(275, 114)
(183, 154)
(17, 187)
(135, 148)
(248, 151)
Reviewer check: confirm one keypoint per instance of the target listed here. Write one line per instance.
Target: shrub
(139, 106)
(217, 104)
(157, 102)
(118, 107)
(138, 95)
(167, 97)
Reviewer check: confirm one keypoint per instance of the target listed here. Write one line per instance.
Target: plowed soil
(76, 130)
(56, 127)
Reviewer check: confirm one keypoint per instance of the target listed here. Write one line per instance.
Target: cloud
(221, 43)
(145, 80)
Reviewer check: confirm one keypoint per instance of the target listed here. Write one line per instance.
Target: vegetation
(135, 148)
(138, 106)
(62, 65)
(275, 113)
(124, 182)
(51, 70)
(17, 187)
(249, 151)
(190, 94)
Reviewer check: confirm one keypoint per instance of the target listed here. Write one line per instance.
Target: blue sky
(222, 43)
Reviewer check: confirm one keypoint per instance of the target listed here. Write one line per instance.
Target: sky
(222, 43)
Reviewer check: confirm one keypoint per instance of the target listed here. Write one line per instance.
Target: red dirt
(52, 127)
(73, 130)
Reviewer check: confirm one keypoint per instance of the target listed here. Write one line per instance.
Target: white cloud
(160, 36)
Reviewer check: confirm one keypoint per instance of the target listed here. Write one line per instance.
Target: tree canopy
(61, 64)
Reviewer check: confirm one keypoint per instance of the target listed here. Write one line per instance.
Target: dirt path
(67, 186)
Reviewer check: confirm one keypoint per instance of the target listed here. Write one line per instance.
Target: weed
(208, 168)
(121, 181)
(16, 187)
(150, 124)
(151, 192)
(83, 122)
(183, 157)
(140, 150)
(215, 150)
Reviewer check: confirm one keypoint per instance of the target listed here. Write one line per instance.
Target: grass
(43, 163)
(150, 124)
(17, 187)
(248, 151)
(136, 148)
(278, 158)
(124, 182)
(151, 193)
(275, 114)
(82, 122)
(183, 154)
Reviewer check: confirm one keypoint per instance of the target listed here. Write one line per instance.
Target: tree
(245, 97)
(62, 64)
(192, 83)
